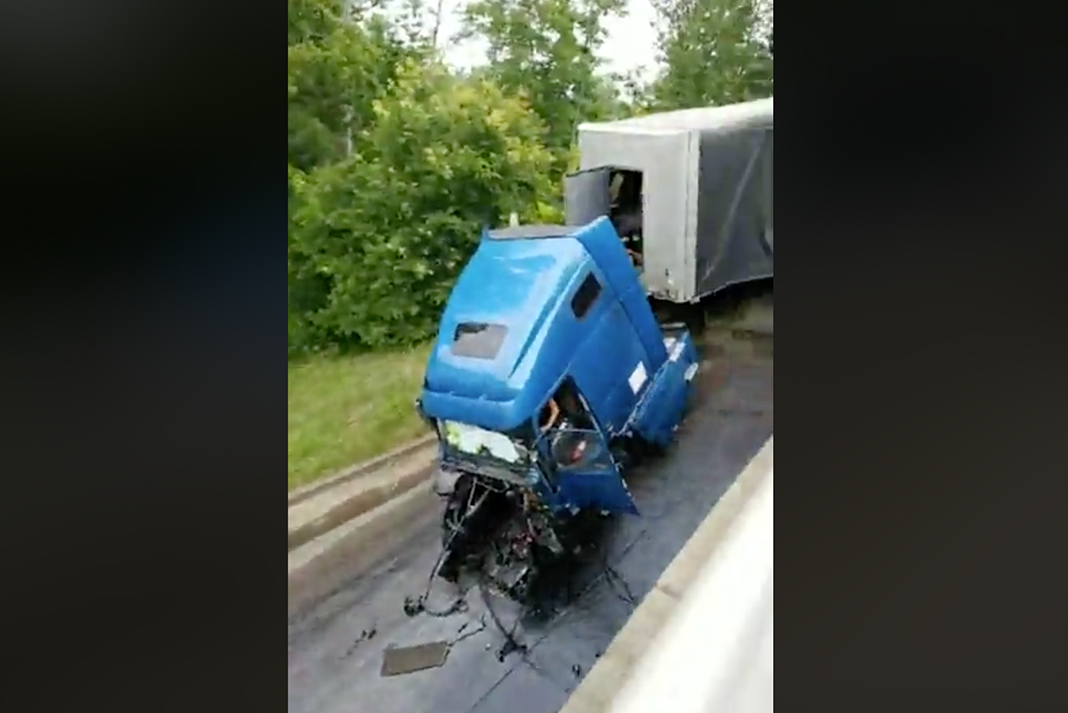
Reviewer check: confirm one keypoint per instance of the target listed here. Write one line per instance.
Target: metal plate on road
(409, 659)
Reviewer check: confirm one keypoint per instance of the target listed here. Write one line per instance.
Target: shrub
(378, 238)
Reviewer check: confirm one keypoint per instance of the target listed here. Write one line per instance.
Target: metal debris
(365, 635)
(409, 659)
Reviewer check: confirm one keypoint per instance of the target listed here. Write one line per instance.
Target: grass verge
(345, 409)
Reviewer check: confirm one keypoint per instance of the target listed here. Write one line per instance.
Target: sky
(630, 44)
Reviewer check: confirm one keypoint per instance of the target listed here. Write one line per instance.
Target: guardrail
(715, 653)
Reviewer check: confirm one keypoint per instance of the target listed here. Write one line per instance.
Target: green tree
(611, 98)
(715, 52)
(339, 62)
(387, 229)
(311, 20)
(337, 66)
(419, 22)
(635, 93)
(546, 50)
(308, 288)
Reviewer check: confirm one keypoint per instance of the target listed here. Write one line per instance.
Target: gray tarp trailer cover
(706, 193)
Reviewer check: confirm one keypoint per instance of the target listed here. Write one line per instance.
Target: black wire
(417, 605)
(473, 632)
(510, 642)
(609, 575)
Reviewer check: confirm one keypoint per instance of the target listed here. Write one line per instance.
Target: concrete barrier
(321, 566)
(686, 644)
(385, 460)
(341, 525)
(715, 652)
(353, 496)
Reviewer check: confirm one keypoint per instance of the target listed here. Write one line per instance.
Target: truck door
(583, 468)
(586, 196)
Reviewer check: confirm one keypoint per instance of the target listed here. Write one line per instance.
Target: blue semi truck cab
(548, 374)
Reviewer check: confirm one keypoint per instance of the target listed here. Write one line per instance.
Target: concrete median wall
(341, 525)
(702, 638)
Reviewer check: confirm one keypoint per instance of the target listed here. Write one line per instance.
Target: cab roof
(504, 341)
(499, 310)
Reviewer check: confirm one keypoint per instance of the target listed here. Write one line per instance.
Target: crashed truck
(550, 374)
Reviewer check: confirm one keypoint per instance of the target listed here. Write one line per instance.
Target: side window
(585, 296)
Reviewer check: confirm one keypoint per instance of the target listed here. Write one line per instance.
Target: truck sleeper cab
(549, 364)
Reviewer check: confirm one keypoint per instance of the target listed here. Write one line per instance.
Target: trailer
(689, 191)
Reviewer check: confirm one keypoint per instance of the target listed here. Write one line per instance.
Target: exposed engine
(499, 534)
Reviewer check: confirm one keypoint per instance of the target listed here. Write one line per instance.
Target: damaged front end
(501, 528)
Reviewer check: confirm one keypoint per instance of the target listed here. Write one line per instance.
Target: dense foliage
(397, 161)
(715, 52)
(388, 227)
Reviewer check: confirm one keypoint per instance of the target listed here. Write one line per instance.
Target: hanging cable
(418, 605)
(510, 643)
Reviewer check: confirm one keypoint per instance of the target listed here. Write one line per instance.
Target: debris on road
(409, 659)
(365, 635)
(461, 635)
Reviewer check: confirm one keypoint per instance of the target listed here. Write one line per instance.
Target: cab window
(478, 340)
(585, 296)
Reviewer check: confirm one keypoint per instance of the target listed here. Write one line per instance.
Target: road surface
(336, 648)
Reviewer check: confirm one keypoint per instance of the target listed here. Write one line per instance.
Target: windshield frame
(521, 438)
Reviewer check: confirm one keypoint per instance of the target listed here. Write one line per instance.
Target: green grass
(345, 409)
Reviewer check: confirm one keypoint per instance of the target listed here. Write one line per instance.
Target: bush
(377, 239)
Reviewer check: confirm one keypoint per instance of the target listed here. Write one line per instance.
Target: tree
(340, 60)
(636, 93)
(387, 229)
(545, 49)
(715, 52)
(419, 21)
(338, 65)
(308, 289)
(311, 20)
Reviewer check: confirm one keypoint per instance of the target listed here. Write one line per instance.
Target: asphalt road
(336, 648)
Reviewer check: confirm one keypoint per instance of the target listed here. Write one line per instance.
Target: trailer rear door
(586, 196)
